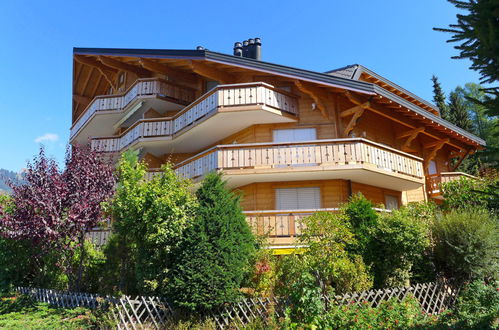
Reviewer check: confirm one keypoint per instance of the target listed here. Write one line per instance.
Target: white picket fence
(142, 312)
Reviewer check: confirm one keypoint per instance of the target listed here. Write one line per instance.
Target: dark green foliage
(439, 98)
(363, 220)
(477, 35)
(401, 240)
(216, 250)
(477, 306)
(466, 244)
(458, 114)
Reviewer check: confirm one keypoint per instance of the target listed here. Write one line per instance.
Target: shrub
(401, 240)
(390, 314)
(472, 193)
(363, 219)
(327, 236)
(477, 307)
(216, 251)
(150, 219)
(466, 244)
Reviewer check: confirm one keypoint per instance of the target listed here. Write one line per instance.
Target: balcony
(434, 181)
(282, 227)
(356, 159)
(219, 113)
(109, 109)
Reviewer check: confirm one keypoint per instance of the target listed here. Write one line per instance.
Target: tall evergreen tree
(458, 114)
(216, 252)
(439, 98)
(477, 35)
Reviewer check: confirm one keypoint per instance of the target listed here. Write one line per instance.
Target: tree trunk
(80, 262)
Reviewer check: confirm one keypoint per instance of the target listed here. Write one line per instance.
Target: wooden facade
(206, 111)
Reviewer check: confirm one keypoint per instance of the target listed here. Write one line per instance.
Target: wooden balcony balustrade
(221, 97)
(319, 155)
(141, 88)
(434, 181)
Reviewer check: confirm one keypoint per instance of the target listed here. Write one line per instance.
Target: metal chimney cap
(258, 41)
(251, 41)
(238, 44)
(199, 48)
(245, 43)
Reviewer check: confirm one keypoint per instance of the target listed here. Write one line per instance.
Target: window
(295, 135)
(432, 168)
(298, 198)
(391, 202)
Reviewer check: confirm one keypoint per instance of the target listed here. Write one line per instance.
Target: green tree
(477, 35)
(216, 251)
(150, 217)
(458, 113)
(439, 98)
(466, 244)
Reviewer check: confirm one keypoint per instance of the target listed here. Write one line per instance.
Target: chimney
(199, 48)
(245, 48)
(251, 48)
(238, 49)
(258, 49)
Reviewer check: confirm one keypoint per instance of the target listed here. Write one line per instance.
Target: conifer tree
(439, 98)
(458, 114)
(477, 35)
(216, 252)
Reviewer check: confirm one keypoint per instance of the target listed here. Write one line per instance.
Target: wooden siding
(375, 194)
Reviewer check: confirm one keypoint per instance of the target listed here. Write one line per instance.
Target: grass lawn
(20, 312)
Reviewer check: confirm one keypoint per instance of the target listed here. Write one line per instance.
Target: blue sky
(391, 37)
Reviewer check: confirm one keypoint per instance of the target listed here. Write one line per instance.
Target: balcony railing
(141, 88)
(308, 155)
(434, 181)
(222, 97)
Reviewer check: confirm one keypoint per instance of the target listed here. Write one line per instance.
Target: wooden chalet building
(292, 141)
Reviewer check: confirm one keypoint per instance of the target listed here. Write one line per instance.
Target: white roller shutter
(298, 198)
(295, 135)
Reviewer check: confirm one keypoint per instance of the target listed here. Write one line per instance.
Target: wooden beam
(107, 72)
(166, 70)
(439, 142)
(436, 147)
(316, 93)
(81, 99)
(115, 64)
(410, 138)
(212, 73)
(460, 160)
(410, 132)
(354, 109)
(353, 121)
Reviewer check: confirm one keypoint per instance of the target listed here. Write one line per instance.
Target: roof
(355, 70)
(345, 78)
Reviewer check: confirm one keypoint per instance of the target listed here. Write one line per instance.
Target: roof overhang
(324, 79)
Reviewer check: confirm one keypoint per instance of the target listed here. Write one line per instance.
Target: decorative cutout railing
(221, 97)
(337, 153)
(141, 88)
(434, 181)
(154, 312)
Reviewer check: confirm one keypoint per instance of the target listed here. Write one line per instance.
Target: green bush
(466, 244)
(327, 236)
(472, 193)
(390, 314)
(150, 217)
(401, 240)
(216, 251)
(363, 220)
